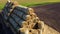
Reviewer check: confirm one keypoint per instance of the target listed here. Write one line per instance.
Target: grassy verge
(2, 6)
(38, 4)
(30, 4)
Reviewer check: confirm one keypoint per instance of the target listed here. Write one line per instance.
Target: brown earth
(50, 14)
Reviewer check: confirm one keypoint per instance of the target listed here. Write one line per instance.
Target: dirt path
(50, 14)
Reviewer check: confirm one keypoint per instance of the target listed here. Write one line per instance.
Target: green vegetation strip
(2, 6)
(31, 4)
(39, 4)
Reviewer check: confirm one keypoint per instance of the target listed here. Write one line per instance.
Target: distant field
(29, 2)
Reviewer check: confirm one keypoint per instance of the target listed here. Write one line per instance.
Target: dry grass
(49, 30)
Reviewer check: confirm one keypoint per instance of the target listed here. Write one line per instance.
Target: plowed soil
(50, 14)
